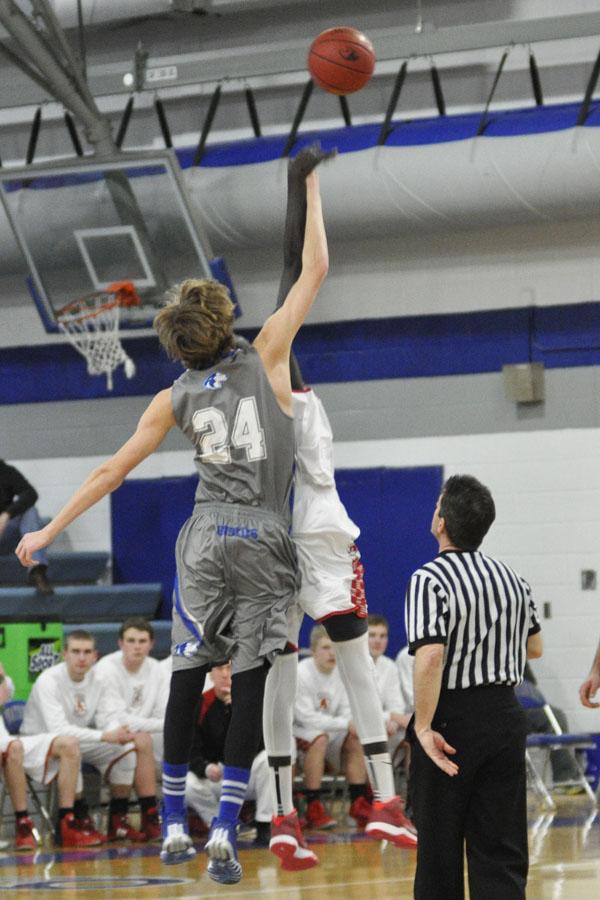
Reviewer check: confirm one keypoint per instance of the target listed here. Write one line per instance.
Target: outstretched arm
(107, 477)
(293, 237)
(275, 338)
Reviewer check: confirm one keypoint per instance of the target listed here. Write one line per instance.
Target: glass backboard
(84, 225)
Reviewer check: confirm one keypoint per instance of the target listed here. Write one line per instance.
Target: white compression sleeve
(358, 674)
(278, 713)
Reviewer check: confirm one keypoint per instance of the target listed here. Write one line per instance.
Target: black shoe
(39, 580)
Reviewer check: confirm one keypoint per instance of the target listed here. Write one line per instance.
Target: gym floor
(565, 865)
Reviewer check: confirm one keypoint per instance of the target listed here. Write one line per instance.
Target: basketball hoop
(92, 326)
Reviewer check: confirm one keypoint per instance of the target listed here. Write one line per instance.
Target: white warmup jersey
(62, 706)
(322, 705)
(137, 699)
(37, 761)
(323, 532)
(388, 685)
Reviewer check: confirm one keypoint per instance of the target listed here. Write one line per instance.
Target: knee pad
(345, 627)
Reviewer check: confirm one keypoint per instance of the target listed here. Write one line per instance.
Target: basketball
(341, 60)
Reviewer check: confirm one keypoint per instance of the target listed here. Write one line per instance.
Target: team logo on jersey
(80, 704)
(137, 697)
(215, 381)
(324, 701)
(188, 649)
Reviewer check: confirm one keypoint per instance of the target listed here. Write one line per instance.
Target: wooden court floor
(565, 865)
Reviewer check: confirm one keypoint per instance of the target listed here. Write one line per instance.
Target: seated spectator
(325, 734)
(205, 777)
(562, 762)
(67, 700)
(18, 515)
(406, 666)
(138, 684)
(43, 757)
(395, 713)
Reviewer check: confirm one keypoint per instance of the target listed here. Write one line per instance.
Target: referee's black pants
(483, 808)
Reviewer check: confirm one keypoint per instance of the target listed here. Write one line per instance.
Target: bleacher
(84, 597)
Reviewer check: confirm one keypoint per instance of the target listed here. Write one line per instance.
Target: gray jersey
(244, 441)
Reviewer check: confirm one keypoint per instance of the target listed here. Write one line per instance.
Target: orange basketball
(341, 60)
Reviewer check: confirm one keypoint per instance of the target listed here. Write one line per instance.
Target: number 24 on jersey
(246, 434)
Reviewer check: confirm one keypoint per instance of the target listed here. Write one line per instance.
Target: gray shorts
(237, 576)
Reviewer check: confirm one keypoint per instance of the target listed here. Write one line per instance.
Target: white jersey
(322, 705)
(323, 532)
(59, 705)
(37, 761)
(317, 506)
(137, 699)
(388, 686)
(406, 667)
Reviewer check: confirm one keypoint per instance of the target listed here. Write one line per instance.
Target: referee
(471, 624)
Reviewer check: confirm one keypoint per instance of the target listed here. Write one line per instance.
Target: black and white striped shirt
(480, 608)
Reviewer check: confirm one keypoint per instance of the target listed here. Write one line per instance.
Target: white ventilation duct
(384, 191)
(476, 183)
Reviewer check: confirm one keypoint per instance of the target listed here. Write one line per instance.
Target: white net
(92, 326)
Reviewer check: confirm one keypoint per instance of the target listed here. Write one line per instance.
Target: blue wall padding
(393, 508)
(358, 350)
(146, 516)
(409, 132)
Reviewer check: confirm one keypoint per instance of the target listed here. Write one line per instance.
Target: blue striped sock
(233, 792)
(173, 785)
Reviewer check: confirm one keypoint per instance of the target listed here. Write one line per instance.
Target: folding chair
(13, 719)
(531, 698)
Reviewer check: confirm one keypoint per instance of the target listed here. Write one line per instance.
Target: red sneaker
(388, 823)
(79, 832)
(317, 816)
(120, 829)
(360, 810)
(26, 836)
(151, 824)
(288, 844)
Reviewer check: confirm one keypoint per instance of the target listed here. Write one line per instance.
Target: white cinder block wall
(547, 490)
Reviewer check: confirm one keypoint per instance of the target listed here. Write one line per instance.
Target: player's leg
(145, 785)
(259, 791)
(349, 633)
(26, 837)
(185, 692)
(354, 767)
(64, 752)
(117, 763)
(287, 841)
(323, 747)
(241, 747)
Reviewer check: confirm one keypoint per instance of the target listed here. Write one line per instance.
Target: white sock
(358, 674)
(278, 713)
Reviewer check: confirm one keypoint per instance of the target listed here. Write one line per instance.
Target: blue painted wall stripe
(357, 350)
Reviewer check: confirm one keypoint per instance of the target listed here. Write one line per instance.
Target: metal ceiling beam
(59, 84)
(390, 44)
(284, 59)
